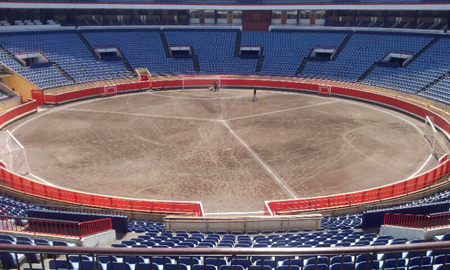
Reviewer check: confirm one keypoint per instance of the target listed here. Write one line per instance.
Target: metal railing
(241, 2)
(94, 226)
(364, 258)
(82, 210)
(50, 227)
(417, 221)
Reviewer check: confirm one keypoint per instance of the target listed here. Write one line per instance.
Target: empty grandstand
(341, 163)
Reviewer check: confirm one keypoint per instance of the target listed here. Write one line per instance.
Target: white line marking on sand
(421, 168)
(284, 110)
(140, 114)
(234, 213)
(401, 118)
(210, 98)
(282, 184)
(42, 180)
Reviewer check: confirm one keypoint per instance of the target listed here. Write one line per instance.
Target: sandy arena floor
(220, 148)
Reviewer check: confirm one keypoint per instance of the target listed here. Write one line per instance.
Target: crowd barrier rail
(417, 221)
(94, 226)
(337, 257)
(51, 227)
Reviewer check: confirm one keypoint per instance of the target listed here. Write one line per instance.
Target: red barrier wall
(366, 196)
(17, 112)
(30, 187)
(272, 207)
(91, 92)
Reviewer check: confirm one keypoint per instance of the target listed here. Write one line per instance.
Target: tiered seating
(361, 52)
(143, 49)
(9, 260)
(47, 77)
(438, 197)
(215, 50)
(278, 239)
(285, 50)
(342, 222)
(138, 226)
(67, 50)
(14, 207)
(439, 91)
(429, 66)
(283, 53)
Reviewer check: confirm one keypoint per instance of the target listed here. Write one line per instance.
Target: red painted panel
(38, 95)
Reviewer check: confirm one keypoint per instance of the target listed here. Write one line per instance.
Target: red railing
(27, 186)
(39, 226)
(95, 226)
(417, 221)
(361, 197)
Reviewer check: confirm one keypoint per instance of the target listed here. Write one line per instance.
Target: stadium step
(88, 46)
(302, 66)
(424, 49)
(367, 72)
(196, 63)
(164, 42)
(64, 73)
(10, 55)
(436, 81)
(342, 46)
(127, 64)
(237, 47)
(260, 62)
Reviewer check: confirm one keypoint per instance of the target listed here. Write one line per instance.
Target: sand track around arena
(221, 148)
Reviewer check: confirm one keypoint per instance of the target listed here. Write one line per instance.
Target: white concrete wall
(243, 224)
(412, 233)
(100, 239)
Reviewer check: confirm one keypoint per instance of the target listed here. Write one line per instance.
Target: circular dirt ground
(221, 148)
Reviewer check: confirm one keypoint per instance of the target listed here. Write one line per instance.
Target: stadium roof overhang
(84, 5)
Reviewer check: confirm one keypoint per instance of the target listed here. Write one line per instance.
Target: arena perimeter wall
(379, 194)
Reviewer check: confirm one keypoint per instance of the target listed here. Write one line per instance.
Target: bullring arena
(222, 149)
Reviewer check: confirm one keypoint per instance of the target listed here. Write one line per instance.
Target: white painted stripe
(64, 107)
(373, 107)
(141, 114)
(428, 119)
(209, 98)
(421, 168)
(42, 180)
(403, 119)
(14, 138)
(292, 194)
(284, 110)
(234, 213)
